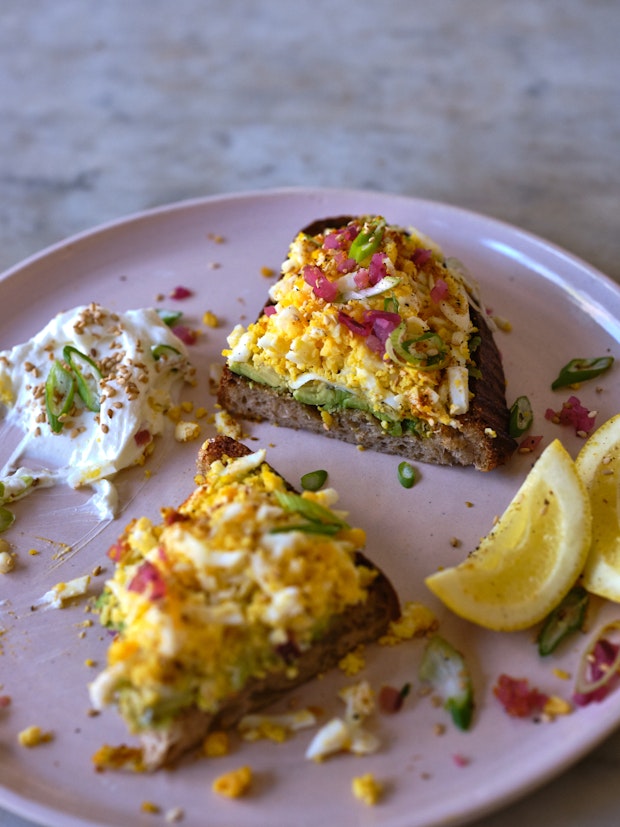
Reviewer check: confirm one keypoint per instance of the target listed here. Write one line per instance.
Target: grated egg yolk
(367, 789)
(204, 601)
(304, 343)
(233, 784)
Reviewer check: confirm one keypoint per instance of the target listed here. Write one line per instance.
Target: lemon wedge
(598, 464)
(532, 556)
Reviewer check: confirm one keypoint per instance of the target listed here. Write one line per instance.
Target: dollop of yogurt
(136, 367)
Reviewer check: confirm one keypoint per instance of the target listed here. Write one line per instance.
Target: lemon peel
(532, 556)
(598, 464)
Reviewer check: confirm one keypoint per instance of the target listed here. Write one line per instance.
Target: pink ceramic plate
(559, 308)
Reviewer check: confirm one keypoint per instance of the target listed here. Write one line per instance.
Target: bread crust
(482, 439)
(361, 623)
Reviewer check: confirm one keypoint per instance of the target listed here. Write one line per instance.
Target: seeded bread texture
(361, 623)
(481, 440)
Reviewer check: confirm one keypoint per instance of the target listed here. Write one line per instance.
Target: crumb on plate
(367, 789)
(233, 784)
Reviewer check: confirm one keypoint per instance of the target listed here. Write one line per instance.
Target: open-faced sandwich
(371, 335)
(245, 591)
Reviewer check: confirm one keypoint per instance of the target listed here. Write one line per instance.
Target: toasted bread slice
(436, 397)
(244, 592)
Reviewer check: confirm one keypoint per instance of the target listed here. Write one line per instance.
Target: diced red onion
(148, 580)
(343, 263)
(269, 310)
(517, 698)
(362, 278)
(359, 328)
(321, 285)
(529, 444)
(185, 334)
(390, 699)
(118, 550)
(181, 293)
(573, 413)
(439, 291)
(598, 669)
(421, 256)
(376, 268)
(375, 327)
(332, 241)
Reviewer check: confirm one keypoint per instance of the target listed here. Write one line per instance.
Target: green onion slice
(169, 317)
(313, 480)
(59, 393)
(7, 518)
(406, 474)
(521, 417)
(580, 370)
(367, 241)
(157, 351)
(87, 376)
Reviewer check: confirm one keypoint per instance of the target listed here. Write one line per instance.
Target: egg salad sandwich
(240, 594)
(371, 335)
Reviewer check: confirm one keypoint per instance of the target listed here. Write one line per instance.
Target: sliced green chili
(87, 376)
(425, 352)
(367, 241)
(580, 370)
(406, 474)
(59, 393)
(521, 417)
(444, 668)
(157, 351)
(566, 618)
(169, 317)
(7, 518)
(308, 528)
(313, 480)
(307, 508)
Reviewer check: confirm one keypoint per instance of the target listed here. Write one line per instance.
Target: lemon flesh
(533, 555)
(598, 465)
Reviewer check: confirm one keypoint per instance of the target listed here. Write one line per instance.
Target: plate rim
(303, 191)
(508, 795)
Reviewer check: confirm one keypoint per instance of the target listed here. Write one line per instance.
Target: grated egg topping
(372, 313)
(231, 586)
